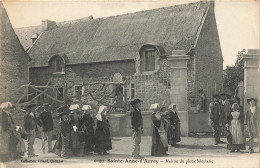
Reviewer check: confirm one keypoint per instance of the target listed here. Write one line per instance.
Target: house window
(78, 90)
(59, 94)
(41, 97)
(149, 57)
(58, 65)
(132, 91)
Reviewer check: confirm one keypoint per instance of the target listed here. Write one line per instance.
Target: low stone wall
(120, 124)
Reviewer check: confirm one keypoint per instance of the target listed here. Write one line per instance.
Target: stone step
(178, 52)
(253, 51)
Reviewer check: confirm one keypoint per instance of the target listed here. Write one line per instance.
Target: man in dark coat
(214, 114)
(252, 123)
(137, 126)
(30, 126)
(65, 133)
(46, 121)
(225, 112)
(65, 107)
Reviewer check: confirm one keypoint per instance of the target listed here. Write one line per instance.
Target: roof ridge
(134, 13)
(155, 9)
(61, 23)
(121, 36)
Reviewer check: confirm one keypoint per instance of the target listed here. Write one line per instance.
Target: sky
(237, 20)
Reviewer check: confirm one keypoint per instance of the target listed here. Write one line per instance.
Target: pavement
(197, 151)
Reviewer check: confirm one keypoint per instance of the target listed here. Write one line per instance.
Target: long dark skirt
(177, 134)
(170, 135)
(87, 138)
(75, 143)
(11, 146)
(102, 139)
(157, 146)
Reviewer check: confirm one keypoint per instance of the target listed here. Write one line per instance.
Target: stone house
(14, 62)
(164, 55)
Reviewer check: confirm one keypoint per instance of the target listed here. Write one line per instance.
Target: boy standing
(214, 114)
(47, 125)
(137, 126)
(65, 131)
(30, 126)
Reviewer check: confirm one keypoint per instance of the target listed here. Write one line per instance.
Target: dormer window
(149, 60)
(58, 65)
(149, 57)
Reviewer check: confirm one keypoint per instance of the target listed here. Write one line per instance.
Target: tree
(233, 75)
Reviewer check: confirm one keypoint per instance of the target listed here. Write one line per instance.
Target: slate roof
(120, 37)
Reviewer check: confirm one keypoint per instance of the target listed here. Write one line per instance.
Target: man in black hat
(65, 107)
(137, 126)
(252, 122)
(225, 112)
(46, 121)
(65, 132)
(30, 126)
(214, 114)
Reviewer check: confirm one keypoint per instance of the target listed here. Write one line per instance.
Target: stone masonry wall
(208, 59)
(13, 62)
(80, 75)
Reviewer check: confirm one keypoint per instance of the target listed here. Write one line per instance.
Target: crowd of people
(228, 119)
(166, 128)
(77, 136)
(80, 135)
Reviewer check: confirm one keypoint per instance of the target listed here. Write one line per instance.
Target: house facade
(14, 62)
(161, 56)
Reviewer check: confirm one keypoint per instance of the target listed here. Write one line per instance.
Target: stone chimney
(34, 37)
(48, 25)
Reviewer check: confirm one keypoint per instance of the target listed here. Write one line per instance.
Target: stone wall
(81, 74)
(13, 62)
(208, 59)
(208, 71)
(120, 124)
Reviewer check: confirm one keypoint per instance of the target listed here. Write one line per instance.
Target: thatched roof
(121, 37)
(25, 33)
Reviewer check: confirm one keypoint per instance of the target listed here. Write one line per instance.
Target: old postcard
(129, 84)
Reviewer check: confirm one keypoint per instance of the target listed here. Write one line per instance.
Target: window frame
(132, 91)
(58, 93)
(41, 97)
(147, 59)
(56, 62)
(82, 90)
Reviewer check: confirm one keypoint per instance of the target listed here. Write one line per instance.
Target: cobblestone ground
(193, 151)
